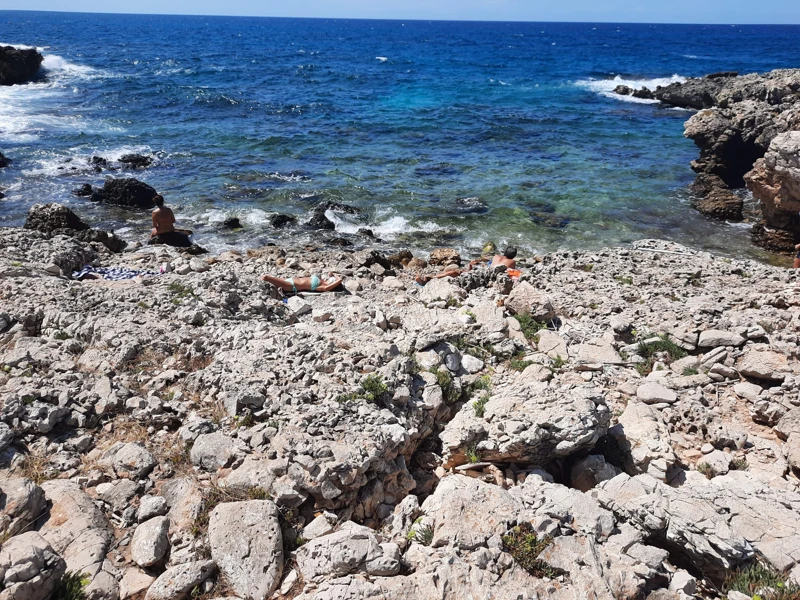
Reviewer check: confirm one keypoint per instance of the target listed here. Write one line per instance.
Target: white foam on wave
(79, 160)
(387, 225)
(381, 58)
(30, 109)
(605, 87)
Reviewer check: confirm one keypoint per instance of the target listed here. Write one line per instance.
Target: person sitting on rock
(164, 227)
(506, 259)
(304, 284)
(797, 257)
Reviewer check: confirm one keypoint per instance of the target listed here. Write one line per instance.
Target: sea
(439, 133)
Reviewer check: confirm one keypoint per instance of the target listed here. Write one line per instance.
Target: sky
(641, 11)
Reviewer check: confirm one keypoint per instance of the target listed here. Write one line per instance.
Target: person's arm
(329, 287)
(154, 232)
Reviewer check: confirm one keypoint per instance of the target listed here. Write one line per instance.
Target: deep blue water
(406, 120)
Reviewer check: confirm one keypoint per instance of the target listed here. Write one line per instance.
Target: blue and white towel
(109, 273)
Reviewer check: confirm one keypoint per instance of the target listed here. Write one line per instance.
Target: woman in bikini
(304, 284)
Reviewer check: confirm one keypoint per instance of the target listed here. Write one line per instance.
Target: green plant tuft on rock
(72, 586)
(524, 546)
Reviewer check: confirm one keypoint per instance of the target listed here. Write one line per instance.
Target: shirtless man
(506, 259)
(304, 284)
(164, 226)
(797, 257)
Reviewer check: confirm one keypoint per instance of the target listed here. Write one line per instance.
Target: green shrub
(519, 365)
(625, 280)
(558, 362)
(524, 546)
(479, 406)
(761, 582)
(649, 351)
(690, 371)
(450, 393)
(374, 387)
(472, 453)
(530, 327)
(705, 469)
(424, 535)
(71, 586)
(739, 464)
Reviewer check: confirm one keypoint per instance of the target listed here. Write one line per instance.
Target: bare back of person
(163, 220)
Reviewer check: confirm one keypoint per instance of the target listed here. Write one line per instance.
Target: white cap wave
(605, 87)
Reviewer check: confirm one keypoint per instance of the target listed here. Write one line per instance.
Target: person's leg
(283, 284)
(797, 262)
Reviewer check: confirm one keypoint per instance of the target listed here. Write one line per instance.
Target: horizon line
(395, 19)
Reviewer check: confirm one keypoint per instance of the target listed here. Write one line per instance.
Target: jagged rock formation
(56, 219)
(775, 181)
(737, 120)
(18, 65)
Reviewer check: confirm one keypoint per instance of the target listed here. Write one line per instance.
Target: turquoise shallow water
(440, 132)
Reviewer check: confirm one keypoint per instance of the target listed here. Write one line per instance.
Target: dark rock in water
(136, 161)
(366, 232)
(98, 161)
(56, 219)
(84, 191)
(722, 74)
(623, 90)
(171, 238)
(4, 161)
(318, 220)
(18, 66)
(339, 241)
(644, 94)
(282, 220)
(130, 193)
(2, 195)
(195, 250)
(232, 223)
(49, 217)
(402, 258)
(336, 207)
(693, 93)
(546, 219)
(471, 205)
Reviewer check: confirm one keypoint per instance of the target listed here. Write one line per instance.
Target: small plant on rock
(374, 387)
(649, 351)
(705, 469)
(758, 581)
(690, 371)
(524, 546)
(530, 327)
(72, 587)
(739, 464)
(559, 362)
(472, 453)
(624, 279)
(519, 365)
(424, 535)
(450, 393)
(479, 406)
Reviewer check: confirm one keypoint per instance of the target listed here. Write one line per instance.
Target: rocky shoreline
(616, 424)
(747, 129)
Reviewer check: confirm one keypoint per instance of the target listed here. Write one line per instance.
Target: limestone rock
(527, 425)
(252, 558)
(212, 451)
(763, 365)
(711, 338)
(76, 528)
(150, 542)
(525, 299)
(21, 503)
(351, 549)
(643, 436)
(655, 393)
(29, 568)
(131, 460)
(443, 257)
(176, 583)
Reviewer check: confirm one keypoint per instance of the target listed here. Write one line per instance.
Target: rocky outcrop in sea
(742, 120)
(18, 65)
(615, 424)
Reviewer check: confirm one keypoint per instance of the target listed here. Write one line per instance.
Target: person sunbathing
(304, 284)
(506, 259)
